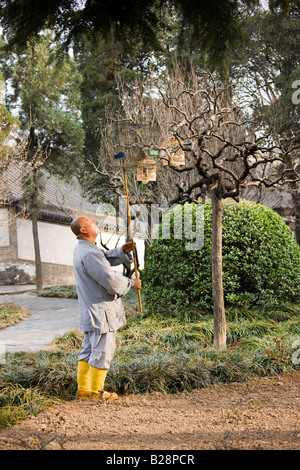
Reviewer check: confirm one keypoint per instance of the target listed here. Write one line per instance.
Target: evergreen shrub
(261, 261)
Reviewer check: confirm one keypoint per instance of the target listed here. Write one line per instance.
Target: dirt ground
(261, 414)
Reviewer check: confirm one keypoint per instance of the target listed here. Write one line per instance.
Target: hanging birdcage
(172, 153)
(134, 141)
(146, 170)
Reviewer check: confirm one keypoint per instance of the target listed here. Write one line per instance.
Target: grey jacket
(99, 287)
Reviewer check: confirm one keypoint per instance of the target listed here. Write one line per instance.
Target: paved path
(50, 317)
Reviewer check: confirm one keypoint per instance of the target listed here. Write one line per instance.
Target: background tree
(8, 129)
(268, 67)
(99, 62)
(8, 126)
(135, 128)
(213, 25)
(45, 96)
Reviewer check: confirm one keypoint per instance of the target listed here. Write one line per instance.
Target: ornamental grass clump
(10, 314)
(261, 262)
(156, 353)
(17, 403)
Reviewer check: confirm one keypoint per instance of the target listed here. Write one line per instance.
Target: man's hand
(127, 247)
(137, 283)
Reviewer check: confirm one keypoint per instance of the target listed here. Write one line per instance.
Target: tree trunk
(296, 200)
(35, 233)
(37, 253)
(217, 271)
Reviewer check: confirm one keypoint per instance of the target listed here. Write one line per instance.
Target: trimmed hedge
(261, 261)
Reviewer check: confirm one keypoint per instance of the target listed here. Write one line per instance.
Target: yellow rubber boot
(97, 379)
(83, 380)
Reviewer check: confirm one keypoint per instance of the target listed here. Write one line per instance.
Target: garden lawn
(155, 353)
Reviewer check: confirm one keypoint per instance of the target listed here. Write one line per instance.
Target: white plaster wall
(57, 243)
(4, 230)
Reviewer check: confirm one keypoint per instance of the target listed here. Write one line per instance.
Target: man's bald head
(85, 228)
(77, 224)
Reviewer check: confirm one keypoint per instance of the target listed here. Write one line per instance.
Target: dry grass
(10, 314)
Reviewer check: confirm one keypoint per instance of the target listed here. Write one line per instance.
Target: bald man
(100, 290)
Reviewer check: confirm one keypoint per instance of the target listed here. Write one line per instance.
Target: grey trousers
(98, 349)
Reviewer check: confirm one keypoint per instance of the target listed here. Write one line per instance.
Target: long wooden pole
(131, 237)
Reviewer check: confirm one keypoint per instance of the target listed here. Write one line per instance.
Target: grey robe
(99, 287)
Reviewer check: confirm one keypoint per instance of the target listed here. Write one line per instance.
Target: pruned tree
(224, 150)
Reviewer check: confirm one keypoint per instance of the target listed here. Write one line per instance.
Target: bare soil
(260, 414)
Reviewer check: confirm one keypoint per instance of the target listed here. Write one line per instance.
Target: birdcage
(134, 141)
(146, 169)
(172, 153)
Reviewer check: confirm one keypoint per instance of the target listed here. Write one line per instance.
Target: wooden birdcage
(146, 169)
(172, 153)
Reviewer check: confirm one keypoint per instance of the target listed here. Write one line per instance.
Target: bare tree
(224, 149)
(135, 132)
(21, 169)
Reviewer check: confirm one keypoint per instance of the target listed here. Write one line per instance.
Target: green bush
(261, 262)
